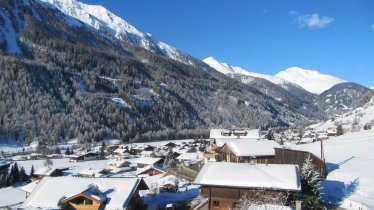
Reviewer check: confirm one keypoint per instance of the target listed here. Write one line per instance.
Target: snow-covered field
(74, 167)
(350, 162)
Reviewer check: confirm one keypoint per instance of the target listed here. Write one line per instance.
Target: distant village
(233, 169)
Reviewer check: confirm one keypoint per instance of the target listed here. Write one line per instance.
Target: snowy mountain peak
(226, 69)
(221, 67)
(311, 80)
(108, 23)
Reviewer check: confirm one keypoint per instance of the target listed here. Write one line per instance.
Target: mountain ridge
(74, 82)
(108, 23)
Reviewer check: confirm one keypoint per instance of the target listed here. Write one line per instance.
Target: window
(215, 204)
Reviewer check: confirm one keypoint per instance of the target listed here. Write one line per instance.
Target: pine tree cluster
(14, 175)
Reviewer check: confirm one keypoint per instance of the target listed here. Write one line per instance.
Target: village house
(148, 154)
(225, 183)
(192, 157)
(86, 193)
(115, 164)
(150, 170)
(146, 161)
(91, 173)
(234, 133)
(219, 137)
(248, 151)
(46, 172)
(83, 157)
(331, 132)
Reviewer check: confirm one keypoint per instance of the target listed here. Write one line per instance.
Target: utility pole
(322, 152)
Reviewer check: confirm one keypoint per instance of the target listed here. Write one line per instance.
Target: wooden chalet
(146, 161)
(248, 151)
(297, 157)
(46, 172)
(234, 133)
(225, 183)
(83, 157)
(74, 193)
(150, 171)
(170, 145)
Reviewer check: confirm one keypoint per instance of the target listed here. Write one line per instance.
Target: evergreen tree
(170, 163)
(32, 171)
(67, 152)
(270, 134)
(102, 150)
(310, 184)
(3, 177)
(15, 173)
(339, 130)
(57, 151)
(23, 175)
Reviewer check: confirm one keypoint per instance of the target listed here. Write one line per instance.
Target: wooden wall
(297, 157)
(228, 198)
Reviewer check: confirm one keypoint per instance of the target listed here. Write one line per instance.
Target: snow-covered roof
(10, 196)
(146, 153)
(244, 175)
(218, 133)
(94, 193)
(90, 172)
(120, 150)
(117, 163)
(252, 147)
(47, 171)
(147, 160)
(142, 170)
(30, 187)
(51, 190)
(221, 141)
(193, 156)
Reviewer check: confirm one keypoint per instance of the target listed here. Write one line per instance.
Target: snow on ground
(120, 102)
(350, 162)
(10, 196)
(74, 167)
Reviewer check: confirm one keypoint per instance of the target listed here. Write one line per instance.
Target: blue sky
(332, 36)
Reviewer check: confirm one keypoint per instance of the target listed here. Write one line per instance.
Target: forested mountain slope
(60, 82)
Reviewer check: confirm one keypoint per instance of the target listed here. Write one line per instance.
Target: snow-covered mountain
(108, 23)
(310, 80)
(294, 96)
(341, 97)
(353, 120)
(226, 69)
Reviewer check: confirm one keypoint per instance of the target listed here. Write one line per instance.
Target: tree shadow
(333, 166)
(334, 192)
